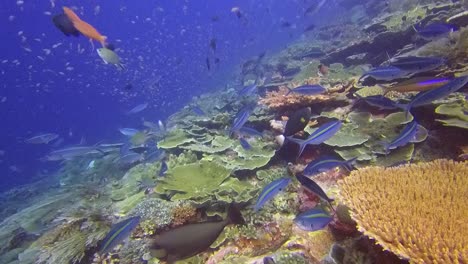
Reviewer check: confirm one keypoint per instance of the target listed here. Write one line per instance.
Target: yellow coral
(417, 211)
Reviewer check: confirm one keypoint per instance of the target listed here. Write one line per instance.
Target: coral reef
(429, 196)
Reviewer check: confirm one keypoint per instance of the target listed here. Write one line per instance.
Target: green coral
(196, 181)
(129, 185)
(454, 113)
(175, 139)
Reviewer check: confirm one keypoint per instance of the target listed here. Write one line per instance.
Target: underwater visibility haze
(302, 131)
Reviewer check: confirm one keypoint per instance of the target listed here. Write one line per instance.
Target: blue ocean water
(57, 84)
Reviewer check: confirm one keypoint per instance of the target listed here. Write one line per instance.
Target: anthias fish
(118, 233)
(270, 191)
(85, 28)
(327, 163)
(297, 121)
(192, 239)
(307, 90)
(313, 220)
(323, 133)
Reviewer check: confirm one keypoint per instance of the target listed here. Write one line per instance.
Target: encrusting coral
(416, 211)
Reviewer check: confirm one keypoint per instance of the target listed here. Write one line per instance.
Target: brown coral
(183, 214)
(417, 211)
(279, 99)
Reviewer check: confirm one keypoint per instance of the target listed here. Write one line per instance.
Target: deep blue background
(165, 42)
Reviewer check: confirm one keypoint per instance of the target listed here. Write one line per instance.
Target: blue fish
(197, 110)
(245, 144)
(163, 169)
(137, 109)
(327, 163)
(250, 131)
(118, 233)
(268, 260)
(379, 101)
(248, 90)
(312, 186)
(417, 64)
(434, 30)
(307, 90)
(426, 97)
(385, 73)
(270, 191)
(313, 220)
(407, 135)
(129, 132)
(129, 158)
(320, 135)
(240, 120)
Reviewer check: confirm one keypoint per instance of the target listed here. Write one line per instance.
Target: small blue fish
(307, 90)
(118, 233)
(240, 120)
(270, 191)
(327, 163)
(42, 139)
(320, 135)
(426, 97)
(417, 64)
(248, 90)
(137, 109)
(312, 186)
(385, 73)
(407, 135)
(379, 101)
(245, 144)
(129, 158)
(434, 30)
(250, 131)
(163, 169)
(197, 110)
(313, 220)
(129, 132)
(268, 260)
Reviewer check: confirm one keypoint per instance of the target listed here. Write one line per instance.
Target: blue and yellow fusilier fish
(407, 135)
(118, 233)
(307, 90)
(313, 220)
(327, 163)
(323, 133)
(270, 191)
(313, 187)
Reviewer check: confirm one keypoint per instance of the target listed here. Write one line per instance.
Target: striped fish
(270, 191)
(312, 186)
(407, 135)
(313, 220)
(327, 163)
(118, 233)
(320, 135)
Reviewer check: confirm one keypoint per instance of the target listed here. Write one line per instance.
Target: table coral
(417, 211)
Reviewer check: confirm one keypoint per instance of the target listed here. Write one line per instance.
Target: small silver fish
(110, 57)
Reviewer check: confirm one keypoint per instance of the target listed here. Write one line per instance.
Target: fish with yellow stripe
(118, 233)
(270, 191)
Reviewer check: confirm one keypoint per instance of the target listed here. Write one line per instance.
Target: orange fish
(83, 27)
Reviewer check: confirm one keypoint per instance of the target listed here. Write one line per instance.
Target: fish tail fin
(289, 91)
(121, 67)
(405, 107)
(349, 164)
(234, 216)
(384, 88)
(302, 146)
(103, 41)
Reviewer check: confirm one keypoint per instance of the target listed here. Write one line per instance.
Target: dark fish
(197, 110)
(426, 97)
(208, 65)
(312, 186)
(248, 90)
(434, 30)
(128, 86)
(217, 61)
(285, 24)
(385, 73)
(64, 24)
(268, 260)
(240, 120)
(163, 169)
(379, 101)
(320, 135)
(245, 144)
(110, 46)
(327, 163)
(189, 240)
(407, 135)
(417, 84)
(118, 233)
(213, 44)
(309, 28)
(307, 90)
(250, 131)
(270, 191)
(313, 220)
(417, 64)
(214, 18)
(297, 121)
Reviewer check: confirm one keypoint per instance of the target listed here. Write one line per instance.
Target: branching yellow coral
(417, 211)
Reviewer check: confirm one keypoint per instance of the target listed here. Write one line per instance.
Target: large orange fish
(83, 27)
